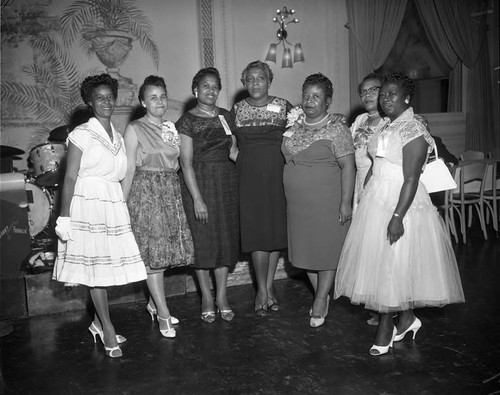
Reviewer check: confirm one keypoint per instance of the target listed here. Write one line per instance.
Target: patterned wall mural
(42, 47)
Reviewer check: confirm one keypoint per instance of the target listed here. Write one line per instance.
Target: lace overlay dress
(312, 180)
(361, 133)
(418, 270)
(102, 250)
(155, 202)
(259, 131)
(216, 243)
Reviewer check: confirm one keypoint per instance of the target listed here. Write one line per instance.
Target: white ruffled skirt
(418, 270)
(102, 251)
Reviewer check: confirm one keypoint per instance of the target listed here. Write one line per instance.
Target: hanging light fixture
(282, 34)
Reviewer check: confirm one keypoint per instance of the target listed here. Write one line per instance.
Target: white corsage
(169, 133)
(295, 114)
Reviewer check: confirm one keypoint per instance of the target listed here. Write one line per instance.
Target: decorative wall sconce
(282, 34)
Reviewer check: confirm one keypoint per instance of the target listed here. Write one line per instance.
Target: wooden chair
(446, 211)
(460, 200)
(472, 155)
(491, 193)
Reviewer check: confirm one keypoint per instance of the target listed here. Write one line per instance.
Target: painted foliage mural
(47, 51)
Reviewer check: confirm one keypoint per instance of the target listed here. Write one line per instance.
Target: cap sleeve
(342, 143)
(184, 126)
(80, 137)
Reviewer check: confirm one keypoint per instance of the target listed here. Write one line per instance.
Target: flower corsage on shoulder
(169, 133)
(295, 116)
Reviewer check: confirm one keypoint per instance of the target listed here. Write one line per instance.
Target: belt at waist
(155, 169)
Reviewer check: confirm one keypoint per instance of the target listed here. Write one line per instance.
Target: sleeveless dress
(155, 203)
(103, 250)
(259, 131)
(312, 180)
(418, 270)
(361, 133)
(216, 243)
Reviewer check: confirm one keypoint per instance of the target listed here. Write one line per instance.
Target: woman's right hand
(201, 211)
(63, 228)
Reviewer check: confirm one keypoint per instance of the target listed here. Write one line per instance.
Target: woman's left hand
(345, 213)
(395, 229)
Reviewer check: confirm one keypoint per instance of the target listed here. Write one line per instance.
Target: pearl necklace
(373, 115)
(316, 123)
(210, 113)
(154, 123)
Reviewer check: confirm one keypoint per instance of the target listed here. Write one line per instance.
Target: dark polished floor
(457, 351)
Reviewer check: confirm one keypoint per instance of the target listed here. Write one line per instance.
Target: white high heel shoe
(152, 312)
(414, 327)
(316, 320)
(381, 350)
(170, 331)
(95, 331)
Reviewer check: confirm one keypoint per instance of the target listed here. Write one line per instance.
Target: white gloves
(63, 228)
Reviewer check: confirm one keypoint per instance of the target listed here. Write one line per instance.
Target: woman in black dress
(210, 190)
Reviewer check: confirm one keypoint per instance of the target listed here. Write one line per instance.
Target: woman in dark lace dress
(210, 190)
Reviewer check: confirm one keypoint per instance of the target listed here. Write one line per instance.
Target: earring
(407, 101)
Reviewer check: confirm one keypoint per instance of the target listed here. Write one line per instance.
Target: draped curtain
(441, 45)
(373, 27)
(467, 35)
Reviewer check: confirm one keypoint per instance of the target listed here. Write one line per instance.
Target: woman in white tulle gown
(397, 255)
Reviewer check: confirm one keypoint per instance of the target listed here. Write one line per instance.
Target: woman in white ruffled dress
(97, 247)
(397, 256)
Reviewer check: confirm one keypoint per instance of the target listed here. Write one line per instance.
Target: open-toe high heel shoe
(261, 310)
(226, 315)
(170, 331)
(381, 350)
(272, 304)
(152, 312)
(414, 327)
(95, 331)
(208, 316)
(113, 352)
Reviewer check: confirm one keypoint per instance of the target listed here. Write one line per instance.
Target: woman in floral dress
(154, 197)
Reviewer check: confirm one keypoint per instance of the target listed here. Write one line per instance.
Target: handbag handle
(435, 148)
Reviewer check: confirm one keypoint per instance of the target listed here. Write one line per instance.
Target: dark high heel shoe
(226, 315)
(152, 312)
(272, 304)
(381, 350)
(208, 316)
(95, 331)
(260, 309)
(414, 327)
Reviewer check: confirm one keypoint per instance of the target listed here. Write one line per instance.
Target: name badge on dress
(273, 108)
(226, 127)
(382, 145)
(288, 133)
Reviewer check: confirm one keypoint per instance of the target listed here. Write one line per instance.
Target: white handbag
(436, 176)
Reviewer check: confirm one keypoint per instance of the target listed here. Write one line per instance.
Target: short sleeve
(183, 126)
(342, 143)
(412, 130)
(229, 116)
(80, 137)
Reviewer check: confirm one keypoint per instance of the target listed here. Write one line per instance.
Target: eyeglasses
(369, 91)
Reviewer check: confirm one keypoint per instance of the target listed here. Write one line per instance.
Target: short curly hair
(321, 80)
(152, 80)
(371, 76)
(402, 80)
(92, 82)
(202, 73)
(257, 64)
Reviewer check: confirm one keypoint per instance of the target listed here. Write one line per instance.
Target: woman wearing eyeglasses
(363, 128)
